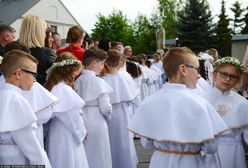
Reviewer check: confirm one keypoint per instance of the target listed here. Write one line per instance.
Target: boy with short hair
(175, 121)
(95, 92)
(18, 142)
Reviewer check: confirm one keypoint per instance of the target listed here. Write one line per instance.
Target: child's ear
(94, 63)
(181, 69)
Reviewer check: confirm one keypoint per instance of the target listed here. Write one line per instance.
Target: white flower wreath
(66, 62)
(232, 61)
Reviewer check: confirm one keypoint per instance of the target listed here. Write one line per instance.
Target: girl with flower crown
(66, 130)
(233, 109)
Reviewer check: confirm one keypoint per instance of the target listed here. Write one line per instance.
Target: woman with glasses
(233, 109)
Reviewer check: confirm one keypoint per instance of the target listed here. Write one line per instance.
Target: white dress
(179, 125)
(95, 92)
(233, 109)
(66, 130)
(18, 142)
(123, 100)
(41, 101)
(144, 88)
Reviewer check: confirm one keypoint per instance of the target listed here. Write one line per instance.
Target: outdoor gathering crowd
(81, 105)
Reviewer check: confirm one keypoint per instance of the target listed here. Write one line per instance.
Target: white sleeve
(210, 147)
(105, 106)
(74, 122)
(27, 141)
(146, 143)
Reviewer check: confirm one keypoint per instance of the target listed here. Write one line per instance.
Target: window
(54, 28)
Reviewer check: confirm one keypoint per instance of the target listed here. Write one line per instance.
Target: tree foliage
(223, 33)
(194, 25)
(245, 29)
(238, 20)
(144, 34)
(115, 26)
(167, 13)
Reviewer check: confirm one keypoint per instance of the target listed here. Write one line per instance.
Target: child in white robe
(97, 110)
(66, 129)
(39, 98)
(176, 122)
(18, 142)
(233, 109)
(41, 101)
(122, 99)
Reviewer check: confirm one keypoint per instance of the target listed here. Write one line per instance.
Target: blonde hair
(32, 31)
(175, 57)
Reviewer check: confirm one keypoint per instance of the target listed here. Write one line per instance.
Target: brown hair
(114, 58)
(16, 45)
(63, 73)
(94, 54)
(133, 68)
(175, 57)
(74, 34)
(14, 60)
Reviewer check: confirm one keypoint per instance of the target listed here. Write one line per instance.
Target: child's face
(77, 72)
(191, 73)
(226, 77)
(98, 66)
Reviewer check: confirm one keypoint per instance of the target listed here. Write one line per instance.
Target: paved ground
(144, 155)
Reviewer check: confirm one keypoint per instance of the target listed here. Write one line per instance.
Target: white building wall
(54, 12)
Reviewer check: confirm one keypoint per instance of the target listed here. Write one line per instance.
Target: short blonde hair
(175, 57)
(32, 31)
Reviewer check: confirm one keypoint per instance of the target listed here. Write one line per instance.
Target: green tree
(223, 33)
(114, 26)
(144, 34)
(238, 20)
(195, 26)
(245, 29)
(167, 13)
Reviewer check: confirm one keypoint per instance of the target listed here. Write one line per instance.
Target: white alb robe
(18, 142)
(66, 130)
(233, 109)
(41, 101)
(179, 124)
(95, 92)
(122, 99)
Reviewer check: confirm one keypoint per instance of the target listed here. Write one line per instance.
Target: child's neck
(113, 70)
(90, 68)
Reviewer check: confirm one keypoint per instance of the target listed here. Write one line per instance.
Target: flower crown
(230, 60)
(66, 62)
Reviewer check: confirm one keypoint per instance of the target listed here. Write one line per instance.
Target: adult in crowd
(56, 44)
(104, 44)
(33, 33)
(127, 51)
(75, 37)
(7, 35)
(49, 38)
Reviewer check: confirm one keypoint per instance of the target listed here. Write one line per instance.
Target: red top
(75, 50)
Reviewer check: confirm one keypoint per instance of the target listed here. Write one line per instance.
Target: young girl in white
(233, 109)
(97, 109)
(66, 131)
(122, 99)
